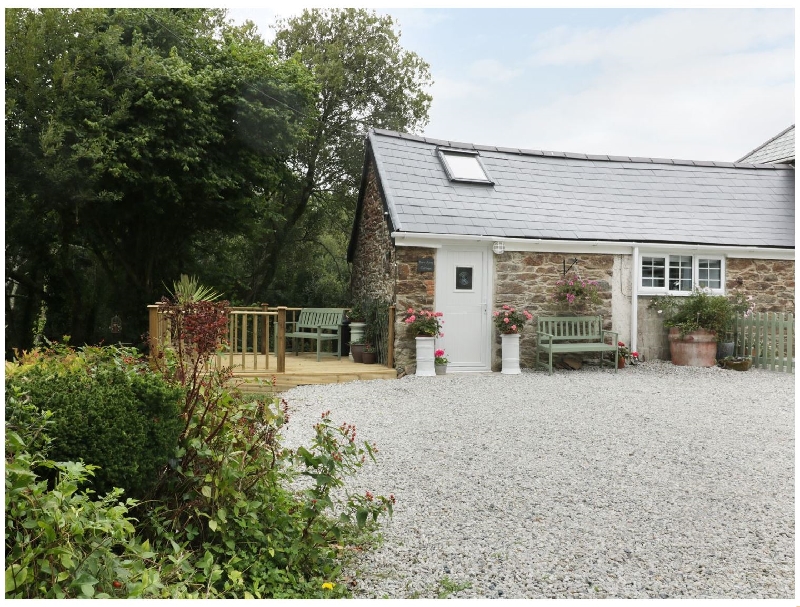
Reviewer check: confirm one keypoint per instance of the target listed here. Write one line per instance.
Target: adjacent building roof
(556, 195)
(779, 149)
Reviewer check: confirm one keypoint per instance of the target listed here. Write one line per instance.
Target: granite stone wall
(769, 281)
(414, 289)
(526, 280)
(372, 273)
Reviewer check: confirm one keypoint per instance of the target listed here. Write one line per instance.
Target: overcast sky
(676, 83)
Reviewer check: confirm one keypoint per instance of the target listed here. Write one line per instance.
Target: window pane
(464, 279)
(464, 166)
(680, 272)
(653, 272)
(709, 273)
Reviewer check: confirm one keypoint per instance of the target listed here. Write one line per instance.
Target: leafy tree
(364, 79)
(130, 133)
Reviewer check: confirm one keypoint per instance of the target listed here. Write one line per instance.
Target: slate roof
(556, 195)
(778, 149)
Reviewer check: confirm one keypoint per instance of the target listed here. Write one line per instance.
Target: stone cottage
(463, 229)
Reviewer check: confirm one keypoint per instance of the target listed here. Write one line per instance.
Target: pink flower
(635, 354)
(438, 314)
(621, 344)
(441, 334)
(410, 311)
(506, 307)
(527, 314)
(496, 313)
(506, 320)
(513, 327)
(411, 319)
(438, 353)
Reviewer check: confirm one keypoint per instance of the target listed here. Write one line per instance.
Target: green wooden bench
(553, 331)
(321, 324)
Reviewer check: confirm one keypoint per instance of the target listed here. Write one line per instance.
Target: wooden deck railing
(254, 333)
(768, 339)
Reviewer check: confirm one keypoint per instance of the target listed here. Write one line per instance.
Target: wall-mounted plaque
(463, 279)
(425, 264)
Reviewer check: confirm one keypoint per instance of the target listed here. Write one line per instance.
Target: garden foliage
(231, 514)
(107, 409)
(60, 542)
(230, 496)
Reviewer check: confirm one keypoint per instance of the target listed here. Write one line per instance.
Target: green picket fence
(768, 339)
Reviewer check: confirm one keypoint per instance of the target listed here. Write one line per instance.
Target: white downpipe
(635, 299)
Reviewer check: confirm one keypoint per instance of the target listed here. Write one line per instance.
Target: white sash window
(662, 274)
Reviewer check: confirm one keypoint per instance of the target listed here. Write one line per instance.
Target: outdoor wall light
(499, 247)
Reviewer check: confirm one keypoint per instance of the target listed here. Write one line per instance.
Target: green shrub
(59, 542)
(108, 410)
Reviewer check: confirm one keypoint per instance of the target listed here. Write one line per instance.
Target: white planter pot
(510, 344)
(356, 333)
(425, 357)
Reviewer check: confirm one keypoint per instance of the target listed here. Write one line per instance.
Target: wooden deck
(301, 370)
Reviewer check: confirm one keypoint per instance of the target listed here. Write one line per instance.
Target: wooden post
(154, 336)
(280, 340)
(265, 347)
(390, 339)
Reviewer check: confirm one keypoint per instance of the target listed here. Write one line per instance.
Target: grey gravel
(654, 482)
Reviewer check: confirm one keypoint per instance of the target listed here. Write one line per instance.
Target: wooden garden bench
(321, 324)
(553, 331)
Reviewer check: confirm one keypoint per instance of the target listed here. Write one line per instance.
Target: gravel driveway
(656, 481)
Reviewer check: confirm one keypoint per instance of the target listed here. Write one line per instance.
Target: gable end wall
(372, 274)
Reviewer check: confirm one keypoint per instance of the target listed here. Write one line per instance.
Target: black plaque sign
(425, 264)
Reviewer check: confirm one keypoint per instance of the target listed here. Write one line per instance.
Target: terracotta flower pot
(368, 358)
(695, 349)
(357, 350)
(620, 363)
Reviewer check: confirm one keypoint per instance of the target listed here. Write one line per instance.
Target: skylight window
(463, 166)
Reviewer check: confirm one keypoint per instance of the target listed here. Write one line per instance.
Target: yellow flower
(328, 586)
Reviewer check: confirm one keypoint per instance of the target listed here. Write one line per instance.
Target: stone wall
(769, 281)
(374, 256)
(526, 280)
(413, 290)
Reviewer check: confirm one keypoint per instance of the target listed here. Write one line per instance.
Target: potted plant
(358, 323)
(509, 323)
(737, 363)
(574, 294)
(696, 323)
(357, 349)
(440, 362)
(626, 356)
(424, 326)
(369, 354)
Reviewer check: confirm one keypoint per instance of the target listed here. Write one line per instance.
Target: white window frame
(443, 153)
(665, 290)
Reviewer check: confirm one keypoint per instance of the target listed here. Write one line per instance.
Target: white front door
(462, 295)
